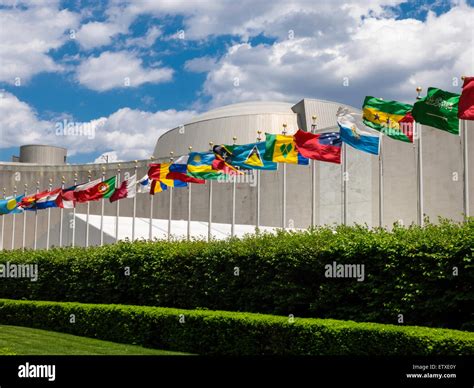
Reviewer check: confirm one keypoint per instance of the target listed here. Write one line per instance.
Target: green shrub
(231, 333)
(409, 271)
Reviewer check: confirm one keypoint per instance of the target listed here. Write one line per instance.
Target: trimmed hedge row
(425, 274)
(231, 333)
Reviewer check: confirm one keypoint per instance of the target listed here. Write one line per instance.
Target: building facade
(442, 178)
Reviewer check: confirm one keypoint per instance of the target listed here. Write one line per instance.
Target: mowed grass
(15, 340)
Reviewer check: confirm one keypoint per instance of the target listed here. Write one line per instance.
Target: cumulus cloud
(128, 133)
(28, 32)
(118, 70)
(107, 157)
(200, 65)
(246, 18)
(96, 34)
(386, 57)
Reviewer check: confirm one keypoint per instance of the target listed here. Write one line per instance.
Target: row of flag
(439, 109)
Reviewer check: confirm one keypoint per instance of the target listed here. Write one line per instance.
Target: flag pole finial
(463, 77)
(258, 135)
(118, 167)
(171, 156)
(190, 148)
(313, 126)
(284, 129)
(152, 157)
(234, 138)
(211, 144)
(418, 91)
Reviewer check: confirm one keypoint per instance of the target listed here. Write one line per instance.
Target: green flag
(439, 109)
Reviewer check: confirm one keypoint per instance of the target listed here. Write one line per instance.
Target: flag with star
(439, 109)
(250, 156)
(282, 149)
(325, 146)
(389, 117)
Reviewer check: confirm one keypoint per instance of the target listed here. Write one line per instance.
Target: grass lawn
(15, 340)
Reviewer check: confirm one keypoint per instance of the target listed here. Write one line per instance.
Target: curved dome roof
(245, 108)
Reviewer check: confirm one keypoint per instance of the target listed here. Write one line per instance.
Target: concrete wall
(42, 154)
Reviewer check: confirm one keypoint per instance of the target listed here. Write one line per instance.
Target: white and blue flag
(355, 133)
(144, 185)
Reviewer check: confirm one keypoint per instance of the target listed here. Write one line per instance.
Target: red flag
(66, 199)
(127, 189)
(322, 146)
(466, 101)
(406, 126)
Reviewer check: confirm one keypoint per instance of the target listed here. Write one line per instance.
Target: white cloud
(146, 41)
(28, 32)
(96, 34)
(385, 57)
(200, 65)
(249, 17)
(107, 157)
(127, 133)
(118, 70)
(19, 123)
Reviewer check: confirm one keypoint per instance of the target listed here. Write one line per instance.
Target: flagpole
(23, 241)
(465, 157)
(381, 196)
(170, 213)
(117, 185)
(209, 224)
(3, 222)
(14, 221)
(102, 212)
(234, 185)
(61, 217)
(35, 232)
(189, 204)
(150, 231)
(48, 227)
(283, 212)
(419, 165)
(344, 184)
(465, 160)
(73, 242)
(87, 211)
(313, 180)
(258, 188)
(134, 204)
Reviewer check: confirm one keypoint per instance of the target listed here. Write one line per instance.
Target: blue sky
(182, 58)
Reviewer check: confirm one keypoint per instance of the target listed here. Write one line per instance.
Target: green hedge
(408, 271)
(230, 333)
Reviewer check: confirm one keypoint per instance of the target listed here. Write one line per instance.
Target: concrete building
(442, 178)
